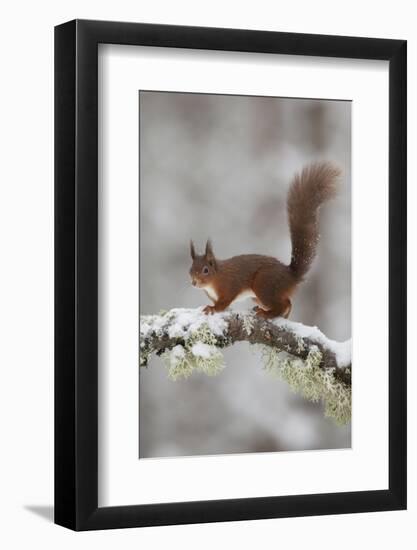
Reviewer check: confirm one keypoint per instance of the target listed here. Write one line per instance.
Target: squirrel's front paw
(209, 310)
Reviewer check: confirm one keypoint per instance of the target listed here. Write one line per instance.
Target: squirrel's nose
(193, 282)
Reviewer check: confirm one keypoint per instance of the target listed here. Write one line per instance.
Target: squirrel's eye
(205, 270)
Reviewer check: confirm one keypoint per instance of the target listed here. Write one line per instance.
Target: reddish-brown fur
(272, 282)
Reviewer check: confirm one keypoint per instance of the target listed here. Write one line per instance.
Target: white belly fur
(212, 294)
(244, 295)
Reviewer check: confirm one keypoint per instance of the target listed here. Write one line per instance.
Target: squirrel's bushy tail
(314, 185)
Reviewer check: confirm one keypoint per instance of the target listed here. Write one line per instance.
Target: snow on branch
(312, 364)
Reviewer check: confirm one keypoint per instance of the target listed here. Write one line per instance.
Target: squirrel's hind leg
(272, 288)
(281, 309)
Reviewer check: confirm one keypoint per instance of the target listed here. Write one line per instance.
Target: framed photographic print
(230, 245)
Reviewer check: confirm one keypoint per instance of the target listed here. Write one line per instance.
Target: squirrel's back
(309, 189)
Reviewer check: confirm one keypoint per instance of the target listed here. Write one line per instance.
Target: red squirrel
(269, 282)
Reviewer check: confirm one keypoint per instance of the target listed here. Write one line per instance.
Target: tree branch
(164, 332)
(311, 363)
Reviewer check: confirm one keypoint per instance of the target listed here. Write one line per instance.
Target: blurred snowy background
(220, 166)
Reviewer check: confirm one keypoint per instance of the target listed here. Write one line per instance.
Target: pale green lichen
(178, 363)
(204, 335)
(312, 381)
(145, 351)
(210, 364)
(300, 344)
(199, 353)
(144, 357)
(248, 323)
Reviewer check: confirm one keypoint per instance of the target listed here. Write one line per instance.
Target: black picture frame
(76, 272)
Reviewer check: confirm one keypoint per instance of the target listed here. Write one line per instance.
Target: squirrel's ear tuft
(192, 250)
(209, 251)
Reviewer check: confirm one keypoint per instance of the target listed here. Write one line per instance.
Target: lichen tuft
(199, 353)
(248, 323)
(178, 363)
(312, 381)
